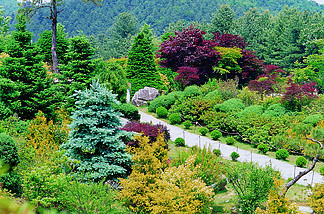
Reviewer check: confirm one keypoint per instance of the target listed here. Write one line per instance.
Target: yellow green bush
(153, 187)
(316, 200)
(276, 203)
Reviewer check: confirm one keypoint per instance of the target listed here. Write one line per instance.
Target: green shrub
(234, 156)
(255, 109)
(282, 154)
(162, 112)
(217, 152)
(322, 170)
(263, 148)
(186, 124)
(166, 101)
(275, 110)
(129, 111)
(289, 179)
(313, 119)
(8, 150)
(214, 95)
(215, 134)
(249, 97)
(11, 181)
(175, 118)
(209, 86)
(211, 167)
(191, 91)
(301, 162)
(179, 142)
(203, 131)
(233, 104)
(230, 140)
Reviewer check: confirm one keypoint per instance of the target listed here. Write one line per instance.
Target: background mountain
(94, 20)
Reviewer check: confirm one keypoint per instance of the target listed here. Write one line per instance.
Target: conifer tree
(141, 69)
(95, 147)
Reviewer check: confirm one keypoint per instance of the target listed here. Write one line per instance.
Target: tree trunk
(299, 176)
(54, 32)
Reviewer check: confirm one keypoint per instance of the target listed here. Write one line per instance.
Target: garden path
(287, 170)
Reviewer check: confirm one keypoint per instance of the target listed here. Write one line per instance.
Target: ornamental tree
(189, 48)
(141, 68)
(95, 148)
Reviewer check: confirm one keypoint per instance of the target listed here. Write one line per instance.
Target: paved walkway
(287, 170)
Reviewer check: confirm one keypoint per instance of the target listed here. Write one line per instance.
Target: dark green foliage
(313, 119)
(203, 131)
(129, 111)
(233, 104)
(179, 142)
(9, 155)
(44, 43)
(162, 112)
(78, 73)
(263, 148)
(275, 110)
(282, 154)
(175, 118)
(191, 91)
(8, 150)
(95, 147)
(230, 141)
(9, 94)
(215, 134)
(31, 88)
(11, 181)
(217, 152)
(301, 162)
(141, 70)
(234, 156)
(165, 100)
(187, 124)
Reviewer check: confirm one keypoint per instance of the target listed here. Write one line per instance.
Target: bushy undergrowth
(165, 100)
(129, 111)
(313, 119)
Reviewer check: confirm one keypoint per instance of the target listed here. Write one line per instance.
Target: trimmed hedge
(129, 111)
(282, 154)
(162, 112)
(203, 131)
(215, 134)
(179, 142)
(233, 104)
(230, 141)
(301, 162)
(175, 118)
(263, 148)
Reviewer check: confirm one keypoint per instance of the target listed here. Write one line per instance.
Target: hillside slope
(93, 20)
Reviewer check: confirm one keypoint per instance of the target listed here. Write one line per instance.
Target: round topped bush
(203, 131)
(264, 148)
(129, 111)
(186, 124)
(215, 134)
(234, 156)
(191, 91)
(8, 150)
(162, 112)
(301, 162)
(282, 154)
(230, 140)
(179, 142)
(217, 152)
(175, 118)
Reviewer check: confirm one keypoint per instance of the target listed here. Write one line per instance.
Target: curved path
(287, 170)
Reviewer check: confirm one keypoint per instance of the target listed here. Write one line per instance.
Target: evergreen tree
(223, 20)
(24, 67)
(95, 148)
(141, 68)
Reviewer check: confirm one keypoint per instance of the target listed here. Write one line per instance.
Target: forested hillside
(93, 20)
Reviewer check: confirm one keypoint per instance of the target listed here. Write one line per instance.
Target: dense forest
(240, 73)
(78, 16)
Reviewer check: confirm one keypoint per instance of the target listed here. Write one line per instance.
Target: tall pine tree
(141, 68)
